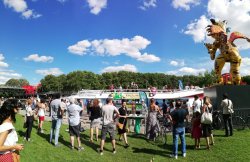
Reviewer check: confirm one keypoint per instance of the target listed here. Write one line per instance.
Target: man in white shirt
(196, 104)
(227, 110)
(108, 125)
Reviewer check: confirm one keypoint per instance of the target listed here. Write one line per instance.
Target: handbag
(25, 125)
(206, 118)
(120, 125)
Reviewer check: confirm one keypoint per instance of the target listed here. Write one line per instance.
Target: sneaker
(80, 148)
(57, 145)
(72, 147)
(114, 151)
(173, 156)
(184, 154)
(101, 152)
(127, 145)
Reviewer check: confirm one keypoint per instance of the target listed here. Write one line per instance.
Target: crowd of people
(177, 113)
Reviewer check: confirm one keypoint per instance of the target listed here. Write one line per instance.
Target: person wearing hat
(227, 110)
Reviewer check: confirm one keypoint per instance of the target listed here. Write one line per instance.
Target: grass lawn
(235, 148)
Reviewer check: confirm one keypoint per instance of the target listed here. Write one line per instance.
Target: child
(196, 129)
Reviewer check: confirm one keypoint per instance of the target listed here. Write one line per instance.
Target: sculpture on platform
(228, 50)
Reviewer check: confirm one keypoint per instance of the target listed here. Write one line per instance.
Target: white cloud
(177, 63)
(114, 47)
(80, 48)
(148, 58)
(37, 58)
(186, 71)
(185, 4)
(20, 6)
(236, 12)
(97, 5)
(2, 63)
(245, 66)
(197, 29)
(6, 75)
(148, 4)
(126, 67)
(52, 71)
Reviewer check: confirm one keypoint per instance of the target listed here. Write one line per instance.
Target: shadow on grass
(151, 151)
(140, 136)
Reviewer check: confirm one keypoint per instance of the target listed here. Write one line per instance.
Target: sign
(125, 95)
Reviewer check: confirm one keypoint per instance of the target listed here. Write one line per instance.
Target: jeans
(55, 129)
(228, 124)
(179, 132)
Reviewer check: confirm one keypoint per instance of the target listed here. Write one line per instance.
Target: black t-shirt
(122, 112)
(95, 112)
(178, 116)
(164, 108)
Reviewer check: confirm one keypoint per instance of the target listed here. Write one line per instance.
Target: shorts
(95, 123)
(110, 128)
(74, 130)
(41, 118)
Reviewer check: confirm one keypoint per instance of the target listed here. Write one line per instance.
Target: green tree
(17, 82)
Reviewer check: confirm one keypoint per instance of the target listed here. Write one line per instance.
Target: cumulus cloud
(245, 66)
(186, 71)
(177, 63)
(80, 48)
(236, 13)
(96, 6)
(20, 6)
(185, 4)
(2, 63)
(197, 29)
(6, 75)
(114, 47)
(52, 71)
(37, 58)
(126, 67)
(148, 4)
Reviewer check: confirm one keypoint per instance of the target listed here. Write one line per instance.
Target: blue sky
(40, 37)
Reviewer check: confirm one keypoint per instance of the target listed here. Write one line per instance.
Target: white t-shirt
(12, 137)
(29, 111)
(108, 113)
(41, 111)
(197, 105)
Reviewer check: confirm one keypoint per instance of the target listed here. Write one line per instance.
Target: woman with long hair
(122, 122)
(152, 121)
(9, 149)
(95, 117)
(207, 129)
(41, 115)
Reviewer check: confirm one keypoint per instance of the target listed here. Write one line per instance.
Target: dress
(196, 131)
(122, 120)
(152, 124)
